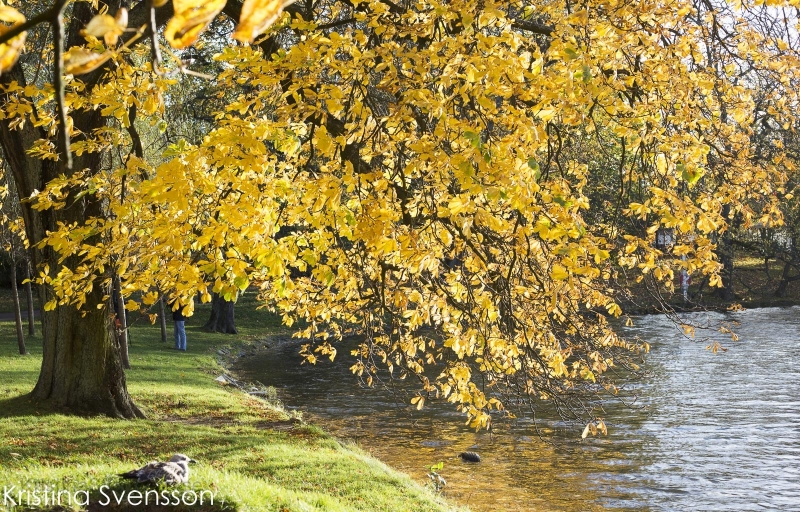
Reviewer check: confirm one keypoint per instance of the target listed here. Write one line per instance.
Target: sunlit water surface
(716, 431)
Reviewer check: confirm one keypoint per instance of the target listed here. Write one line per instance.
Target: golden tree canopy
(465, 185)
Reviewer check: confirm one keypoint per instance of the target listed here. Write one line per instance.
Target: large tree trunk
(222, 319)
(17, 313)
(81, 368)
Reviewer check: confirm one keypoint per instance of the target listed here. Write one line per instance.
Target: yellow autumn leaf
(9, 51)
(614, 309)
(740, 116)
(79, 60)
(122, 17)
(559, 273)
(191, 18)
(257, 16)
(705, 224)
(106, 27)
(323, 141)
(546, 114)
(10, 15)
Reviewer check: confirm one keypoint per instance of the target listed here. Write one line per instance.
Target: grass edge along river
(251, 456)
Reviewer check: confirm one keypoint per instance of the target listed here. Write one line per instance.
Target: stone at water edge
(470, 457)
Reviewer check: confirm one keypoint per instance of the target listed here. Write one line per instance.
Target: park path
(9, 316)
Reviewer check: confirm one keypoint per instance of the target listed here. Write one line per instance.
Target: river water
(711, 431)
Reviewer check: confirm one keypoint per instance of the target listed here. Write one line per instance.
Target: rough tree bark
(222, 318)
(81, 368)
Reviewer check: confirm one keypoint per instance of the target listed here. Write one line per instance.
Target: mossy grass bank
(251, 455)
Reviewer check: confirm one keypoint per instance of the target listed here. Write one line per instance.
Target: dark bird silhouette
(174, 471)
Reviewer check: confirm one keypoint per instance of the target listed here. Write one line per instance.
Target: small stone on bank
(470, 457)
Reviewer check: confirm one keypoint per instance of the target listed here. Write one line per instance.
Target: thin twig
(154, 48)
(187, 71)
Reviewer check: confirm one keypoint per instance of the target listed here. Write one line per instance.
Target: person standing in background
(180, 327)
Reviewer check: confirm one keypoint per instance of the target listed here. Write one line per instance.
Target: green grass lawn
(248, 453)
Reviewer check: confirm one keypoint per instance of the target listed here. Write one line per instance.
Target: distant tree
(14, 244)
(222, 316)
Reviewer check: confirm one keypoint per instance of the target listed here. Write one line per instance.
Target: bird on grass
(174, 471)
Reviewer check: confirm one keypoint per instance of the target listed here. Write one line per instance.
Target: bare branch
(59, 86)
(536, 28)
(335, 24)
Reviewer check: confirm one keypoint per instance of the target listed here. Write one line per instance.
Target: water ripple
(719, 431)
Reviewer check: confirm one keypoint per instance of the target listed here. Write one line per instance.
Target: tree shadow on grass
(26, 405)
(22, 405)
(141, 498)
(71, 439)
